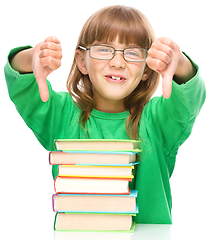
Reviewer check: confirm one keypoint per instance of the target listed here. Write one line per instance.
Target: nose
(118, 60)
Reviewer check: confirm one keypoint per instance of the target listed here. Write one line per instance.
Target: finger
(160, 55)
(51, 46)
(53, 39)
(167, 86)
(162, 48)
(43, 89)
(168, 74)
(156, 64)
(166, 41)
(50, 53)
(50, 62)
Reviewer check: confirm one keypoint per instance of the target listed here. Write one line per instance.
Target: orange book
(91, 185)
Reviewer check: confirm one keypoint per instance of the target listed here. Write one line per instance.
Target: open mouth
(115, 79)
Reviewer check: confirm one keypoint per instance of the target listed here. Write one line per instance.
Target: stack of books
(92, 186)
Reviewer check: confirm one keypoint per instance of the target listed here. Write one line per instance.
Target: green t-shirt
(164, 125)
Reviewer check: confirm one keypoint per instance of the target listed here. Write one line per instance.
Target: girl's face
(112, 80)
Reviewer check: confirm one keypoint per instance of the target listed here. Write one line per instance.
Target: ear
(146, 74)
(79, 57)
(144, 77)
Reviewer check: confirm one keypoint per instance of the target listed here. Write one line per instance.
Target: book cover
(106, 212)
(96, 171)
(96, 144)
(91, 185)
(61, 157)
(93, 222)
(95, 202)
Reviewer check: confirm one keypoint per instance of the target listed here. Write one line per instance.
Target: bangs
(126, 23)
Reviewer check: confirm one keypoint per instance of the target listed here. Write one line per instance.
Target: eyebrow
(110, 44)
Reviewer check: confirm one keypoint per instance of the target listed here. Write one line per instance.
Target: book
(96, 171)
(95, 203)
(93, 222)
(92, 157)
(96, 144)
(91, 185)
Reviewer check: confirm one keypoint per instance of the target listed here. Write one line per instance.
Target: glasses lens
(135, 54)
(101, 52)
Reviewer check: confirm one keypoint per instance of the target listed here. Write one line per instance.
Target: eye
(132, 53)
(103, 49)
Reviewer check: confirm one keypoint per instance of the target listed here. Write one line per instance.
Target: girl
(113, 76)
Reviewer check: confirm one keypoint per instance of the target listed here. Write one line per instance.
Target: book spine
(49, 158)
(53, 202)
(133, 213)
(131, 193)
(93, 193)
(54, 226)
(55, 184)
(97, 178)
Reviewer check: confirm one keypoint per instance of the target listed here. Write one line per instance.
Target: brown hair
(132, 27)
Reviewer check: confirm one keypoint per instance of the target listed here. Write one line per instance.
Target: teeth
(116, 78)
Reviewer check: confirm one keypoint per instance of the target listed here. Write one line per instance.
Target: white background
(26, 183)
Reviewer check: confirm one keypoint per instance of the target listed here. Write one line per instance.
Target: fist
(46, 58)
(163, 57)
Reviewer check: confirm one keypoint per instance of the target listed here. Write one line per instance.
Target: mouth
(115, 78)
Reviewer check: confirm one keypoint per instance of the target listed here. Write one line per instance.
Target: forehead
(121, 37)
(115, 43)
(129, 28)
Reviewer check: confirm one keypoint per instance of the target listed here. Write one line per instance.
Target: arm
(172, 119)
(22, 61)
(185, 70)
(43, 59)
(48, 120)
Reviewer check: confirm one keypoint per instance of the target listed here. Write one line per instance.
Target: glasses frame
(115, 50)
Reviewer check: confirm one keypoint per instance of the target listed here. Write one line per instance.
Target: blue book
(96, 203)
(93, 157)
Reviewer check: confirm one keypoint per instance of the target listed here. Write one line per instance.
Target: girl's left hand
(163, 57)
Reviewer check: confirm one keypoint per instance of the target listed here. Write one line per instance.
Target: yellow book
(96, 171)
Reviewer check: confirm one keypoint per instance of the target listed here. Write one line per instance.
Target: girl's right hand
(163, 57)
(46, 57)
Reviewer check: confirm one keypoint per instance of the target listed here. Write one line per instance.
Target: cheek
(94, 66)
(137, 69)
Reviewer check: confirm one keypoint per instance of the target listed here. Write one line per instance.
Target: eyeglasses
(102, 52)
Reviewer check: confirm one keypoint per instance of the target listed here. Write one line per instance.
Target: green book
(96, 144)
(94, 222)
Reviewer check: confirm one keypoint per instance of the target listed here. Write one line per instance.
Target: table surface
(142, 232)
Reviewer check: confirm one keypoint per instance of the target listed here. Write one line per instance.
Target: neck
(110, 106)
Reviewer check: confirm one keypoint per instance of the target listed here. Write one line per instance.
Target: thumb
(167, 86)
(43, 89)
(169, 72)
